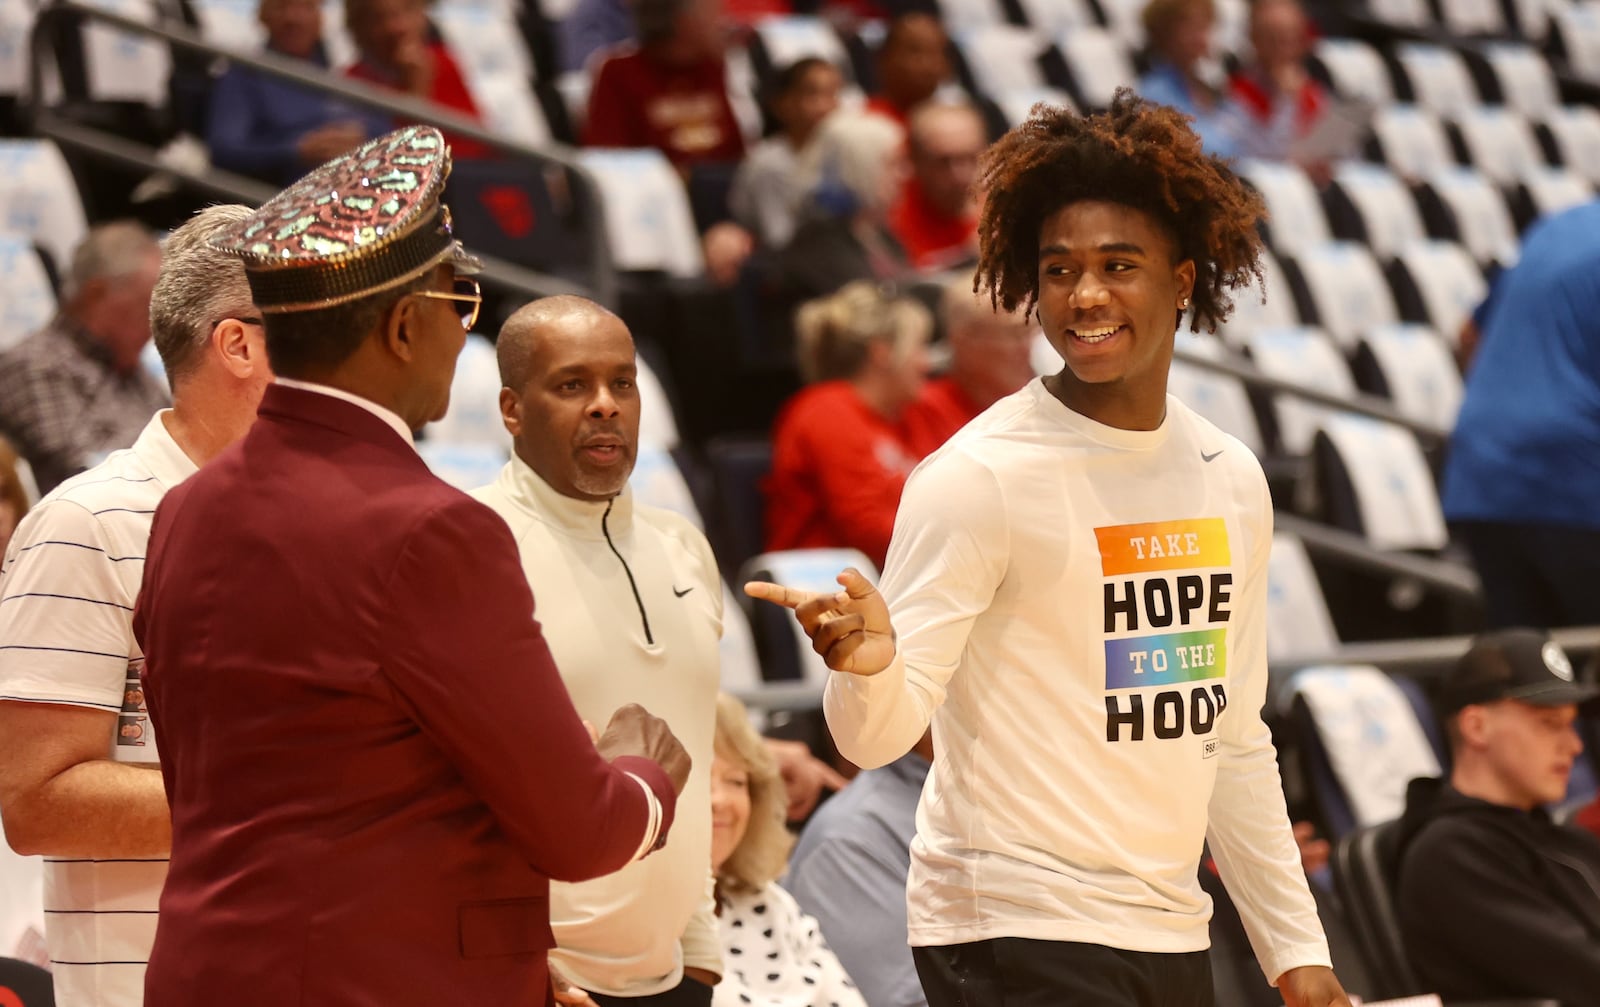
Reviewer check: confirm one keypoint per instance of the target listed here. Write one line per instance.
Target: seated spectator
(400, 51)
(852, 173)
(13, 497)
(849, 872)
(936, 217)
(670, 91)
(767, 191)
(1179, 36)
(1495, 900)
(1274, 90)
(773, 954)
(841, 448)
(912, 62)
(989, 359)
(75, 389)
(274, 129)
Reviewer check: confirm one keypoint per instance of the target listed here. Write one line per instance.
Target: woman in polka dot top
(773, 954)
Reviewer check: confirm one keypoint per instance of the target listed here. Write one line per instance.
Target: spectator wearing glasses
(73, 786)
(936, 216)
(392, 717)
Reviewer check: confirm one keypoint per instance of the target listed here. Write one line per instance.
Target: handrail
(1361, 403)
(1351, 550)
(603, 286)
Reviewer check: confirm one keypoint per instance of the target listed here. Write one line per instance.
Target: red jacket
(449, 91)
(372, 763)
(682, 111)
(838, 468)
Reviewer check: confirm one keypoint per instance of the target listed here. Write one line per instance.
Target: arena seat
(1295, 214)
(649, 224)
(1522, 78)
(27, 299)
(1571, 135)
(1053, 18)
(1367, 202)
(1299, 624)
(1353, 69)
(1305, 356)
(1438, 78)
(786, 651)
(1500, 143)
(1220, 398)
(1412, 366)
(1345, 287)
(1467, 18)
(39, 199)
(1411, 141)
(1437, 282)
(1373, 479)
(1098, 63)
(1461, 204)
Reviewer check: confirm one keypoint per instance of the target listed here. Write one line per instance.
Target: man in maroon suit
(372, 764)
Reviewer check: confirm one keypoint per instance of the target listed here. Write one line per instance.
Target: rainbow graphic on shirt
(1167, 597)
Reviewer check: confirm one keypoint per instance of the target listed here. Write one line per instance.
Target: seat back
(1306, 356)
(1377, 482)
(1347, 290)
(1099, 63)
(1412, 141)
(1355, 721)
(738, 465)
(474, 414)
(27, 300)
(785, 38)
(1052, 17)
(464, 465)
(1439, 283)
(1355, 70)
(39, 198)
(1418, 370)
(1401, 13)
(1220, 398)
(1439, 78)
(121, 66)
(649, 224)
(1296, 214)
(1366, 872)
(1551, 190)
(785, 649)
(1387, 210)
(658, 482)
(962, 15)
(1252, 311)
(1499, 143)
(1575, 134)
(1472, 17)
(1526, 81)
(1476, 213)
(1003, 58)
(1298, 621)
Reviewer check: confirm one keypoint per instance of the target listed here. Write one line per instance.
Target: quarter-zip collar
(585, 519)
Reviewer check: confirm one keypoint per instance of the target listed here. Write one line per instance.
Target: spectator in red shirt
(400, 51)
(989, 360)
(936, 217)
(841, 447)
(913, 61)
(1274, 89)
(670, 90)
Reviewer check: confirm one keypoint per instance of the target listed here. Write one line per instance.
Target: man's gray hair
(110, 251)
(198, 287)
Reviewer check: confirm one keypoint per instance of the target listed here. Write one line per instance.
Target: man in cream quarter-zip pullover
(631, 604)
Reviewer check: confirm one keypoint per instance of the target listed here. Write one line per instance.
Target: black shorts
(1018, 972)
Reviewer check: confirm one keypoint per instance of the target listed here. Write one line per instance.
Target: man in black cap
(1496, 900)
(373, 767)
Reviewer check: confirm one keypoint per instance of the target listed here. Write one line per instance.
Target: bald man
(631, 604)
(936, 217)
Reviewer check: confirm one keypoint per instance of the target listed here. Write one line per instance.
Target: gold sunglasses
(468, 299)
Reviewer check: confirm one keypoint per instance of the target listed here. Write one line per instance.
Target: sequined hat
(365, 222)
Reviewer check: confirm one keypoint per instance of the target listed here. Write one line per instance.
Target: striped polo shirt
(67, 589)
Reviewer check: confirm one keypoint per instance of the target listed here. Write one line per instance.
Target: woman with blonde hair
(844, 445)
(773, 954)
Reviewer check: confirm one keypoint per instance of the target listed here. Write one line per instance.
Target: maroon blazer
(373, 765)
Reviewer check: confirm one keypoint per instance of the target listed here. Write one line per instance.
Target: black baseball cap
(1521, 664)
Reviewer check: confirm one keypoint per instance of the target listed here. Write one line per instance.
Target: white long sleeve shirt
(1081, 613)
(631, 605)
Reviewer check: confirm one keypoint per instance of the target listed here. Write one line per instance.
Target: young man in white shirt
(78, 780)
(631, 603)
(1078, 581)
